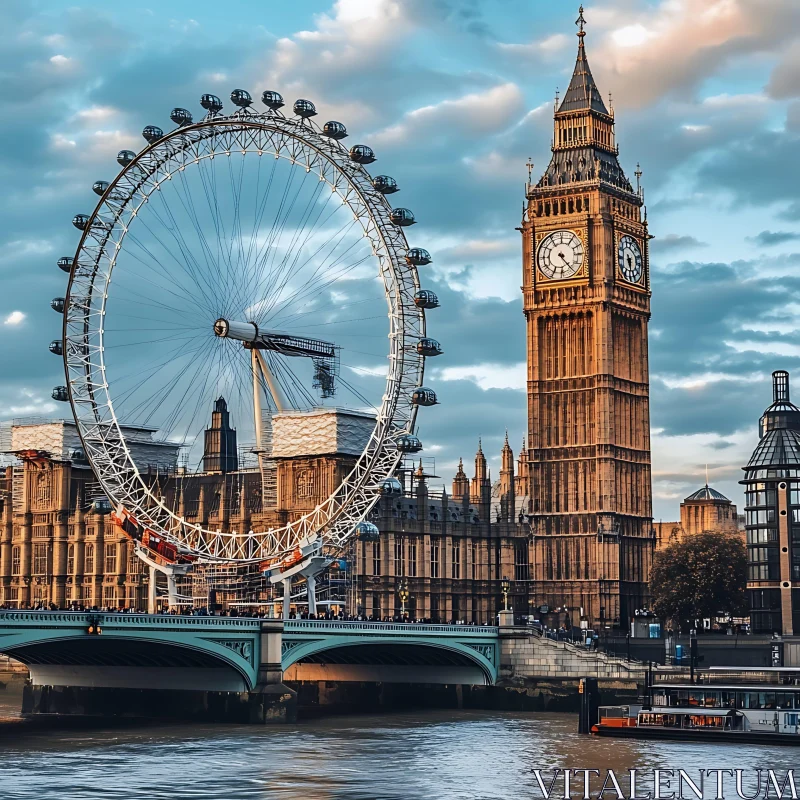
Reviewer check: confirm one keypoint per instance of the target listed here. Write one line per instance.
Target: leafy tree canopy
(705, 575)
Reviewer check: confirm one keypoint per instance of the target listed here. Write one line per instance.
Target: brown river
(430, 755)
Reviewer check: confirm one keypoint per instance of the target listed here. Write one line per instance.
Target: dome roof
(779, 447)
(707, 493)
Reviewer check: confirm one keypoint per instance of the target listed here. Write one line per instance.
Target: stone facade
(703, 510)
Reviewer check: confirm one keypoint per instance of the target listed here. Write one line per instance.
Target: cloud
(14, 318)
(672, 242)
(773, 238)
(488, 376)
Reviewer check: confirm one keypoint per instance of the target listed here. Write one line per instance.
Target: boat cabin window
(725, 698)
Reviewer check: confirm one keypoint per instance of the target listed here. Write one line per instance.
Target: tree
(704, 575)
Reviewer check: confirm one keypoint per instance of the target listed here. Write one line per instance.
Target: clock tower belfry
(586, 289)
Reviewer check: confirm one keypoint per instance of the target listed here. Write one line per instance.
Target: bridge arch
(412, 659)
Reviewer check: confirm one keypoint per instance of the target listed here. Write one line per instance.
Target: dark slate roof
(582, 93)
(707, 493)
(780, 447)
(579, 164)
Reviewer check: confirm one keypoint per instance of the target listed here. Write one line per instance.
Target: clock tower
(586, 288)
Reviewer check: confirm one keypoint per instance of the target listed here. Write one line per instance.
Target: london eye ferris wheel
(248, 255)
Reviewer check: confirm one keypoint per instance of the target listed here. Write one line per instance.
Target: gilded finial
(580, 22)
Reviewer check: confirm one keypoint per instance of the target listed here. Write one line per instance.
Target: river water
(435, 755)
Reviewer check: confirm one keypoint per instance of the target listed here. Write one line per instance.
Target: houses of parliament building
(567, 522)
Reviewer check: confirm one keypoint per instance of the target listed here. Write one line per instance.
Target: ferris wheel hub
(243, 331)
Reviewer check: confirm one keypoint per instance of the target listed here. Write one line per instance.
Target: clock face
(560, 255)
(630, 259)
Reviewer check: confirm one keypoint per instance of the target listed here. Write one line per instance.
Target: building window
(521, 568)
(376, 605)
(71, 559)
(760, 516)
(134, 563)
(42, 490)
(412, 558)
(434, 608)
(108, 596)
(434, 560)
(376, 558)
(456, 562)
(399, 556)
(89, 559)
(40, 559)
(15, 560)
(111, 559)
(474, 561)
(305, 484)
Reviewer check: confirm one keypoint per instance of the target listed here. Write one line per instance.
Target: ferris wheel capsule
(99, 187)
(272, 100)
(58, 304)
(304, 108)
(418, 256)
(402, 217)
(334, 130)
(367, 531)
(56, 347)
(385, 185)
(80, 221)
(425, 298)
(65, 263)
(181, 116)
(124, 157)
(212, 103)
(60, 393)
(241, 98)
(102, 506)
(429, 347)
(424, 397)
(408, 443)
(391, 487)
(362, 154)
(152, 133)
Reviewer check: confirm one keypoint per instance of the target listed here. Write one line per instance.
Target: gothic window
(399, 559)
(305, 484)
(434, 558)
(108, 596)
(412, 558)
(376, 558)
(15, 560)
(42, 490)
(521, 568)
(40, 559)
(89, 559)
(474, 561)
(111, 558)
(456, 563)
(71, 559)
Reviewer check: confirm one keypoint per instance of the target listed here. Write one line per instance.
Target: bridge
(79, 661)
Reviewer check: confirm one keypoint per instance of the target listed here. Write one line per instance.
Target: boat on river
(762, 706)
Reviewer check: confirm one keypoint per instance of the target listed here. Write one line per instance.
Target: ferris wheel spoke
(140, 378)
(276, 295)
(163, 270)
(267, 252)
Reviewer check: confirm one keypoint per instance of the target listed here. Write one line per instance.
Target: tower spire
(582, 93)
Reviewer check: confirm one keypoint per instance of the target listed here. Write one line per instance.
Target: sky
(454, 96)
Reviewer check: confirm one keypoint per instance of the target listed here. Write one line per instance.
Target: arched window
(15, 560)
(88, 560)
(71, 559)
(305, 483)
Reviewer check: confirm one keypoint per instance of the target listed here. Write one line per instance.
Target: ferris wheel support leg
(311, 584)
(259, 419)
(287, 597)
(172, 590)
(151, 592)
(269, 378)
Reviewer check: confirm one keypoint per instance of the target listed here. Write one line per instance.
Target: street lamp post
(402, 593)
(505, 586)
